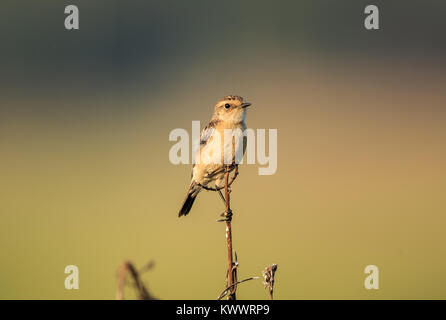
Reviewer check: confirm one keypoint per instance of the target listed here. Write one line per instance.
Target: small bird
(209, 167)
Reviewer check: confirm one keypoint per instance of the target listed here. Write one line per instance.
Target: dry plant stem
(128, 268)
(269, 278)
(122, 272)
(231, 270)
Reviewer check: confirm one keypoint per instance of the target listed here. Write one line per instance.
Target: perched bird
(210, 162)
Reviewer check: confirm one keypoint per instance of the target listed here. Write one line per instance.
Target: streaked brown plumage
(209, 167)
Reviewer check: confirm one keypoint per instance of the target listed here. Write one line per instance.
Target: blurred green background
(85, 116)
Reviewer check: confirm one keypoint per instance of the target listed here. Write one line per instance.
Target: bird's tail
(192, 193)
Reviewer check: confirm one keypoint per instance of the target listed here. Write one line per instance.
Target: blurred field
(86, 180)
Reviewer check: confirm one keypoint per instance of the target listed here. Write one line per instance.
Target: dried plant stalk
(222, 295)
(231, 267)
(128, 268)
(268, 277)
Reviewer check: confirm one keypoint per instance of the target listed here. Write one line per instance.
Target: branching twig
(128, 268)
(147, 267)
(223, 294)
(231, 276)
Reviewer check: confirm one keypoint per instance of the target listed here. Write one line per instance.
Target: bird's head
(231, 109)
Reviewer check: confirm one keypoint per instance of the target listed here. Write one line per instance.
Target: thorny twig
(268, 277)
(232, 274)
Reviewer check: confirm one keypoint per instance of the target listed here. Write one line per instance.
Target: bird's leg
(222, 196)
(228, 168)
(227, 215)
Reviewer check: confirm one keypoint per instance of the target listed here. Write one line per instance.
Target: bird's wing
(208, 131)
(206, 136)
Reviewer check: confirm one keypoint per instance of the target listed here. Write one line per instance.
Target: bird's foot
(227, 216)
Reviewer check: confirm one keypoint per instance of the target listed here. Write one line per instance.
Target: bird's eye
(227, 106)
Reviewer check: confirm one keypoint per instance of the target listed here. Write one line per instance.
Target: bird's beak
(245, 105)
